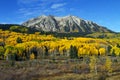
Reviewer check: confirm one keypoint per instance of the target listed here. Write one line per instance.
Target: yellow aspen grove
(115, 50)
(39, 44)
(92, 50)
(95, 51)
(80, 52)
(61, 49)
(102, 51)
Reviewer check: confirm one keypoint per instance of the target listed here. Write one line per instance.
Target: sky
(102, 12)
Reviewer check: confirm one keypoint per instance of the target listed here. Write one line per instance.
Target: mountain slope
(17, 28)
(7, 26)
(64, 24)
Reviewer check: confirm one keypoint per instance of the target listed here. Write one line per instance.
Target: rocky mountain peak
(64, 24)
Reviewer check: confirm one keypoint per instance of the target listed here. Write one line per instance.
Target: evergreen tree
(19, 40)
(46, 51)
(73, 52)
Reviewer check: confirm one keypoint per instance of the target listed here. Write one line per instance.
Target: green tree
(19, 40)
(10, 53)
(19, 29)
(24, 30)
(46, 51)
(73, 52)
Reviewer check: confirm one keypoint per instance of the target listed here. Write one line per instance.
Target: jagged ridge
(64, 24)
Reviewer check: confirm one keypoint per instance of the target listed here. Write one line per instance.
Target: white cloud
(34, 8)
(51, 1)
(26, 1)
(25, 12)
(55, 6)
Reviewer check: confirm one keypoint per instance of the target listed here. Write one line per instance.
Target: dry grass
(54, 71)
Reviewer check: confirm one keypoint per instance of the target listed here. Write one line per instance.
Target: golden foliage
(102, 51)
(32, 56)
(85, 46)
(93, 64)
(108, 65)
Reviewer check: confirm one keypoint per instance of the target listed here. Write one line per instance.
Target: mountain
(67, 24)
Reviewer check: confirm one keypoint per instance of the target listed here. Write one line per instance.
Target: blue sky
(103, 12)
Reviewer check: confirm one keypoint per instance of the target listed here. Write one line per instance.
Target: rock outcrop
(64, 24)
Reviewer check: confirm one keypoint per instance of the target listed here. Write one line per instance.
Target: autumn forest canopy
(17, 44)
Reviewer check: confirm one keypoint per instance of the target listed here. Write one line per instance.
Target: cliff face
(64, 24)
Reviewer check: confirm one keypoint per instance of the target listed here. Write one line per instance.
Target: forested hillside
(21, 46)
(38, 55)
